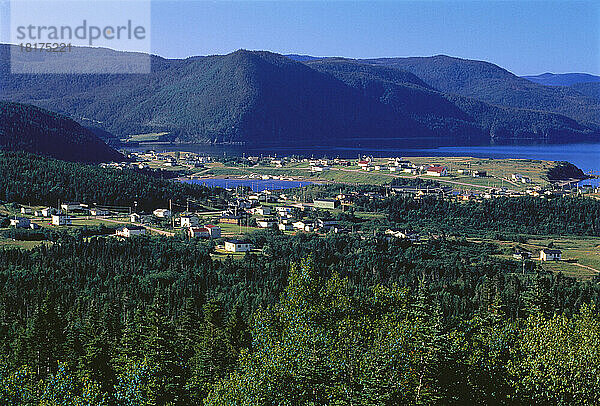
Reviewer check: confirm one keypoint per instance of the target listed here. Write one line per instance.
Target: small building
(47, 212)
(189, 221)
(318, 168)
(284, 209)
(266, 223)
(162, 213)
(135, 218)
(71, 206)
(237, 246)
(550, 255)
(364, 164)
(326, 203)
(405, 235)
(521, 255)
(326, 223)
(20, 222)
(304, 226)
(130, 231)
(479, 174)
(262, 210)
(198, 232)
(61, 220)
(285, 226)
(215, 231)
(99, 212)
(26, 210)
(437, 171)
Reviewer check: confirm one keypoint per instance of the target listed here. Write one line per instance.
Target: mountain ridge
(261, 97)
(562, 79)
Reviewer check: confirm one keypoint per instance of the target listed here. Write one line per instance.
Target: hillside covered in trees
(32, 129)
(32, 179)
(265, 98)
(335, 320)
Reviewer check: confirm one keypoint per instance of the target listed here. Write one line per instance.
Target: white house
(20, 222)
(135, 218)
(129, 231)
(406, 235)
(47, 212)
(26, 210)
(550, 255)
(189, 221)
(162, 213)
(61, 220)
(437, 171)
(265, 223)
(262, 210)
(237, 246)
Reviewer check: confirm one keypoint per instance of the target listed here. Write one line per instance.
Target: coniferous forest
(313, 320)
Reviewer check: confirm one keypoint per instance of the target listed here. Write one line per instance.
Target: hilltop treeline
(31, 179)
(333, 320)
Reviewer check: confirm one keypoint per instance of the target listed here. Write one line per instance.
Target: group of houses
(546, 254)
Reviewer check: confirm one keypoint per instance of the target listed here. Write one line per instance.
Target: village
(464, 177)
(246, 211)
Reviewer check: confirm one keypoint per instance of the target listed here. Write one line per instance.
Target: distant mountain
(32, 129)
(490, 83)
(562, 79)
(457, 119)
(264, 98)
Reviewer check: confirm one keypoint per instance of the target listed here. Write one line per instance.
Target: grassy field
(8, 243)
(148, 137)
(580, 255)
(498, 170)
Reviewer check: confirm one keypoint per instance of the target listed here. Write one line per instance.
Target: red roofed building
(195, 232)
(437, 171)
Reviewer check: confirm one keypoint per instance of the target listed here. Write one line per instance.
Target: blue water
(257, 185)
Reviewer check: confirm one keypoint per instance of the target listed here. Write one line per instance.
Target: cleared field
(148, 137)
(499, 168)
(8, 243)
(498, 171)
(580, 255)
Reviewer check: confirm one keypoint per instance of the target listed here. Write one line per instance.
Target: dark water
(584, 156)
(257, 185)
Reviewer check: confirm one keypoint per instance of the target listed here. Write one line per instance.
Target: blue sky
(526, 37)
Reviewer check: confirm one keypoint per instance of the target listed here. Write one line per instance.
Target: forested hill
(265, 98)
(31, 129)
(492, 84)
(562, 79)
(455, 119)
